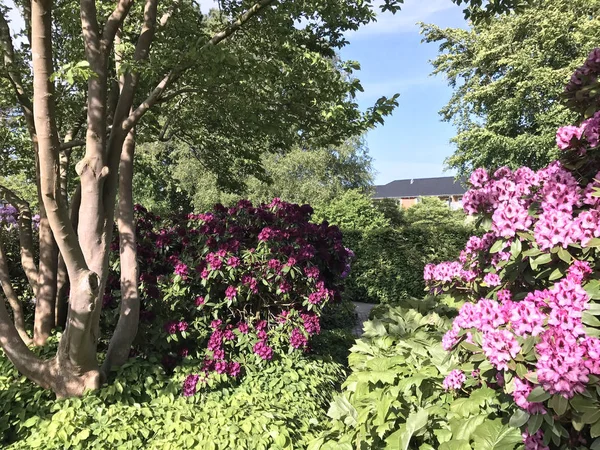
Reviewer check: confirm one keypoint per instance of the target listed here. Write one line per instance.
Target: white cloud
(406, 19)
(207, 5)
(389, 170)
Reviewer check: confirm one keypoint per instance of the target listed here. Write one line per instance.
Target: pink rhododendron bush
(530, 286)
(234, 287)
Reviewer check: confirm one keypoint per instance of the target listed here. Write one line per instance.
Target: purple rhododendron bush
(232, 288)
(530, 286)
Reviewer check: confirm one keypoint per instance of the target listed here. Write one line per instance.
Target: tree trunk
(62, 278)
(120, 343)
(47, 277)
(75, 367)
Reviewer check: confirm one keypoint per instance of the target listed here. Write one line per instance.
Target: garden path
(362, 311)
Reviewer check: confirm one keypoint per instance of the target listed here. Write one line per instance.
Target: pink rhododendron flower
(492, 279)
(231, 292)
(189, 385)
(535, 441)
(568, 137)
(500, 346)
(263, 350)
(454, 380)
(522, 390)
(297, 339)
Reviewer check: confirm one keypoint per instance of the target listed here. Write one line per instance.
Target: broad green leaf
(519, 418)
(538, 395)
(462, 429)
(455, 445)
(493, 435)
(400, 439)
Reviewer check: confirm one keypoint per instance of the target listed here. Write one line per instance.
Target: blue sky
(414, 142)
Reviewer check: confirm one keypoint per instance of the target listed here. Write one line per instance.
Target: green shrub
(341, 315)
(352, 210)
(394, 398)
(280, 407)
(389, 262)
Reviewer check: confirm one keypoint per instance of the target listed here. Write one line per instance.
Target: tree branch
(11, 296)
(13, 73)
(178, 92)
(176, 73)
(25, 236)
(45, 125)
(71, 144)
(90, 29)
(113, 23)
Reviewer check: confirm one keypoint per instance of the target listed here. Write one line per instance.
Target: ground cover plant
(281, 406)
(401, 392)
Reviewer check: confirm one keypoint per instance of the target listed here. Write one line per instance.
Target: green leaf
(400, 439)
(543, 259)
(594, 308)
(535, 423)
(593, 289)
(589, 319)
(460, 444)
(498, 246)
(538, 395)
(519, 418)
(559, 404)
(30, 422)
(595, 242)
(556, 274)
(462, 429)
(565, 255)
(595, 430)
(515, 248)
(493, 435)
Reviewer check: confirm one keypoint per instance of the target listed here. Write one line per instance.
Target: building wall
(408, 202)
(454, 202)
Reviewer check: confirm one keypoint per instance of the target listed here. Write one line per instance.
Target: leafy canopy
(507, 77)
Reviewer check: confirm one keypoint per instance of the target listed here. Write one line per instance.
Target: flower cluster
(454, 380)
(528, 286)
(9, 217)
(235, 284)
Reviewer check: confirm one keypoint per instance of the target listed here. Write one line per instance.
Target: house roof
(421, 187)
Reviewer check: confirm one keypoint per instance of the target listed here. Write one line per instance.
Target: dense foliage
(234, 287)
(397, 398)
(531, 284)
(390, 259)
(304, 174)
(507, 77)
(282, 406)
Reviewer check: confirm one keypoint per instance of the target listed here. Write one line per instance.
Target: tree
(431, 211)
(106, 86)
(392, 211)
(300, 175)
(353, 210)
(116, 66)
(508, 76)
